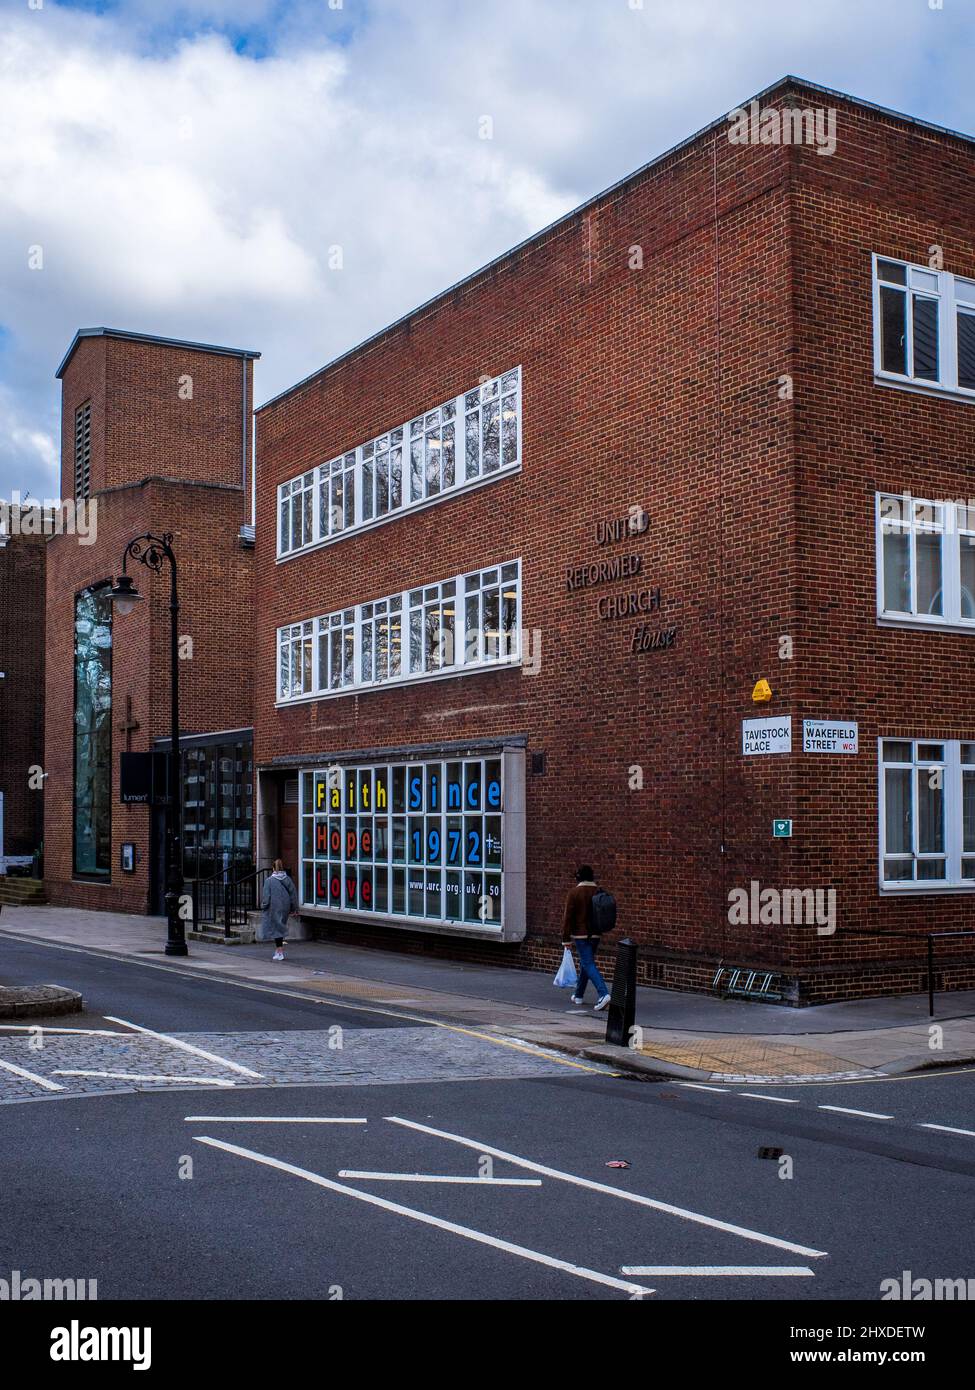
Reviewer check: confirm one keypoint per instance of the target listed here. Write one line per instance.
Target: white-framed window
(467, 439)
(296, 513)
(335, 502)
(382, 475)
(926, 560)
(927, 814)
(295, 661)
(491, 614)
(924, 326)
(336, 651)
(382, 640)
(463, 624)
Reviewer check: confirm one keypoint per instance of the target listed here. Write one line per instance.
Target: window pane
(926, 338)
(473, 444)
(349, 498)
(433, 463)
(367, 494)
(930, 804)
(416, 469)
(890, 270)
(893, 305)
(416, 640)
(897, 803)
(966, 351)
(492, 440)
(968, 812)
(930, 598)
(897, 571)
(382, 484)
(448, 456)
(509, 429)
(898, 869)
(395, 478)
(492, 624)
(967, 576)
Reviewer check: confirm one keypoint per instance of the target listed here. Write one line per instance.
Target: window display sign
(421, 841)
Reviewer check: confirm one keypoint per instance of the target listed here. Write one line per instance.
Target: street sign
(782, 829)
(830, 736)
(762, 736)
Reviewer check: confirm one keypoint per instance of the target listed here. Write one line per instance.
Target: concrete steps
(22, 892)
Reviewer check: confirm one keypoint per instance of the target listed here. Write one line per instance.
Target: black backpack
(602, 913)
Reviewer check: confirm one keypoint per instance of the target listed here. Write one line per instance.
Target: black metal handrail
(931, 940)
(222, 897)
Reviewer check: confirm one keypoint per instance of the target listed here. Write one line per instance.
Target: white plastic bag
(567, 977)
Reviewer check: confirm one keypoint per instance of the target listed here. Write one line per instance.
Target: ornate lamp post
(151, 551)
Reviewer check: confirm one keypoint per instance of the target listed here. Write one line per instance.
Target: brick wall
(22, 564)
(662, 387)
(196, 446)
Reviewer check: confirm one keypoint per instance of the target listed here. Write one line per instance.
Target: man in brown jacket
(577, 931)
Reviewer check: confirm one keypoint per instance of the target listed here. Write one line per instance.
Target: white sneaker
(603, 1003)
(278, 955)
(575, 999)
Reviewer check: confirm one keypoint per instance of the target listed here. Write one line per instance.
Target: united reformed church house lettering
(632, 604)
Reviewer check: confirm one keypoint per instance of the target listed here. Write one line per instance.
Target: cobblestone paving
(337, 1057)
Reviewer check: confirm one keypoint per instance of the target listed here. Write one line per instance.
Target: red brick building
(523, 557)
(22, 559)
(156, 437)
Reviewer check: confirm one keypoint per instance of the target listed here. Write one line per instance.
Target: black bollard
(621, 1014)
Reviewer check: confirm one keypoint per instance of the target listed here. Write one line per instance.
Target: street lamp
(151, 551)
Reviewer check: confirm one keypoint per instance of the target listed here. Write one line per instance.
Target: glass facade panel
(93, 734)
(218, 810)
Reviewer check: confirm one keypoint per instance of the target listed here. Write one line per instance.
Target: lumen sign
(424, 842)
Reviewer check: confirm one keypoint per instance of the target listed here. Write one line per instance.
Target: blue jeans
(588, 969)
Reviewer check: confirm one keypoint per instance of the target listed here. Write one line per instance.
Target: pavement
(694, 1037)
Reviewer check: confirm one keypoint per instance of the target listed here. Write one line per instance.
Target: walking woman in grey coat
(278, 900)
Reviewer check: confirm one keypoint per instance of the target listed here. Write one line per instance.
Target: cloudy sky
(186, 166)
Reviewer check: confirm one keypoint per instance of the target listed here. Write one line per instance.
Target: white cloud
(178, 186)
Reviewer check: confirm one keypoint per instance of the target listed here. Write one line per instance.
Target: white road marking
(436, 1177)
(864, 1114)
(947, 1129)
(465, 1231)
(135, 1076)
(715, 1271)
(610, 1191)
(188, 1047)
(43, 1028)
(31, 1076)
(266, 1120)
(779, 1100)
(696, 1086)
